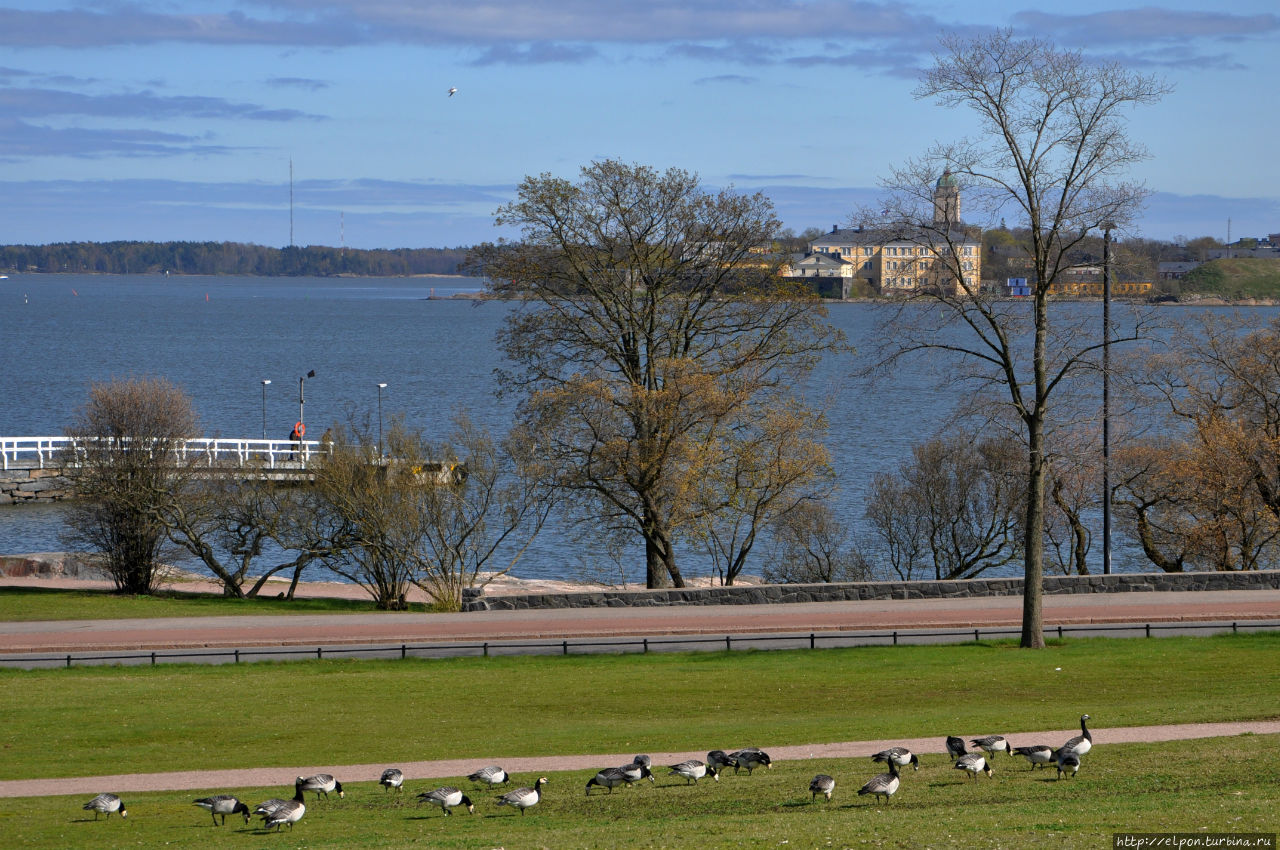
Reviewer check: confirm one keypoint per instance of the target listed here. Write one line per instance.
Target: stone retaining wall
(755, 594)
(33, 485)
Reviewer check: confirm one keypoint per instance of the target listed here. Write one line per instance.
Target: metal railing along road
(621, 645)
(44, 452)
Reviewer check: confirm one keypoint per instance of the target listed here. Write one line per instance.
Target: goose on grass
(523, 798)
(492, 775)
(636, 771)
(283, 812)
(107, 804)
(955, 747)
(886, 784)
(821, 784)
(749, 759)
(446, 798)
(223, 804)
(392, 778)
(992, 744)
(269, 807)
(611, 777)
(321, 783)
(1083, 742)
(693, 770)
(1038, 754)
(900, 756)
(1067, 760)
(973, 764)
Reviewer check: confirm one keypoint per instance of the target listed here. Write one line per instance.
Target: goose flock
(276, 813)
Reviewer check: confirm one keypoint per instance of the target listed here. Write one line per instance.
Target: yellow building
(1093, 289)
(904, 259)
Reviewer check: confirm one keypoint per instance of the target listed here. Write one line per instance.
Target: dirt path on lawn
(524, 769)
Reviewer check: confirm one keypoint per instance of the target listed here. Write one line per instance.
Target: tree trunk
(1033, 540)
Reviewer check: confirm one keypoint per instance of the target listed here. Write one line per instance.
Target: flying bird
(453, 90)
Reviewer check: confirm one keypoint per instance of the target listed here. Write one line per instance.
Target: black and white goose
(992, 744)
(886, 784)
(107, 804)
(611, 777)
(223, 804)
(289, 811)
(321, 783)
(636, 771)
(719, 759)
(270, 807)
(492, 775)
(955, 747)
(1083, 742)
(821, 784)
(392, 779)
(750, 758)
(900, 756)
(973, 764)
(693, 770)
(523, 798)
(644, 760)
(446, 798)
(1067, 760)
(1038, 754)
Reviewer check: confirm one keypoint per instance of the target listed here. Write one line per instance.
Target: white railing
(42, 452)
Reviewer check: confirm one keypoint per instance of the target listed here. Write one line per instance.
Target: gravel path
(221, 780)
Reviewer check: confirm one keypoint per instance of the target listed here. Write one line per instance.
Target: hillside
(1233, 279)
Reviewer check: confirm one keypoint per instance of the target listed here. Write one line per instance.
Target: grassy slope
(102, 720)
(1215, 785)
(1247, 277)
(23, 604)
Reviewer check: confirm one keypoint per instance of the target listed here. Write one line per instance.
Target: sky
(184, 119)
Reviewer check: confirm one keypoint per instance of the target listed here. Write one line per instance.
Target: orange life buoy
(300, 430)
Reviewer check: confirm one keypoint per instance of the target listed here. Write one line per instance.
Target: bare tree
(128, 468)
(954, 508)
(808, 545)
(763, 469)
(648, 324)
(1051, 153)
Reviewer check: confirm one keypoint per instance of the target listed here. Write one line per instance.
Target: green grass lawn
(37, 603)
(94, 721)
(1211, 785)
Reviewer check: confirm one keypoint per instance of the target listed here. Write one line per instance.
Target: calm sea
(220, 337)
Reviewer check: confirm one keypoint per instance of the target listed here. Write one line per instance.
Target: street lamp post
(1106, 397)
(265, 381)
(381, 387)
(301, 398)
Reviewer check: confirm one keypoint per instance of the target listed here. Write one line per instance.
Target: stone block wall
(33, 485)
(755, 594)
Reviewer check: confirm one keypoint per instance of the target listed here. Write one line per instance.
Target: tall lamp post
(381, 387)
(265, 381)
(1106, 397)
(301, 398)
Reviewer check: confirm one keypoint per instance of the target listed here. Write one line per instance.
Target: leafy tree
(808, 545)
(1051, 152)
(128, 467)
(648, 326)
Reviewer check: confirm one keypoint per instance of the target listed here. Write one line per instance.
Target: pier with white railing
(33, 468)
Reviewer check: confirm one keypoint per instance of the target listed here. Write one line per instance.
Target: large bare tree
(1051, 154)
(128, 468)
(648, 323)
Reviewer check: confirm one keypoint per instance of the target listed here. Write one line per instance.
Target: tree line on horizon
(227, 258)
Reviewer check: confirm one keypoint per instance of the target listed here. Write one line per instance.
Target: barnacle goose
(286, 811)
(901, 756)
(636, 771)
(821, 784)
(1037, 754)
(322, 783)
(492, 775)
(992, 744)
(1067, 760)
(750, 758)
(1083, 742)
(719, 759)
(886, 784)
(223, 804)
(523, 798)
(446, 798)
(610, 778)
(391, 778)
(973, 764)
(270, 807)
(106, 804)
(955, 747)
(693, 770)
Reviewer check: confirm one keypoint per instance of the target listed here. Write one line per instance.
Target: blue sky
(178, 119)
